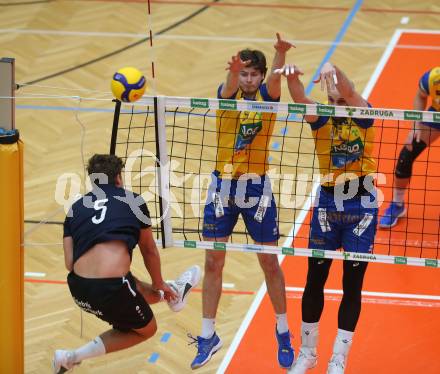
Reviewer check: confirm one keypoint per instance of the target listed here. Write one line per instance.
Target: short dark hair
(258, 59)
(109, 165)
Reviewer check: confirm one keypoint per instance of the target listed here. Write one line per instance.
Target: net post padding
(163, 171)
(11, 261)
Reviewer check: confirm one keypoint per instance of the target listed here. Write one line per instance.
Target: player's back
(108, 213)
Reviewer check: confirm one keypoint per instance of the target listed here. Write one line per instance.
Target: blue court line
(165, 337)
(153, 358)
(76, 109)
(335, 43)
(329, 53)
(63, 108)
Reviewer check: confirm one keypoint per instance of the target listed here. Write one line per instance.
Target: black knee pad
(407, 158)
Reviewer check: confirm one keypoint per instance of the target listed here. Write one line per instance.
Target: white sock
(309, 336)
(93, 348)
(208, 327)
(342, 343)
(399, 195)
(282, 326)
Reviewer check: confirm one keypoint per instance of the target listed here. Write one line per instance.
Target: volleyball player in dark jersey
(100, 232)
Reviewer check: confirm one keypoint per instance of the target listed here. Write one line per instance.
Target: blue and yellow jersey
(344, 146)
(243, 137)
(430, 84)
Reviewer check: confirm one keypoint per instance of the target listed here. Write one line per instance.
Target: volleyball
(128, 84)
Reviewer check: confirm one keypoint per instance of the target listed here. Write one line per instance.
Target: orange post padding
(11, 258)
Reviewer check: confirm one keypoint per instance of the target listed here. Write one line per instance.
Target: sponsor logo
(400, 260)
(346, 255)
(411, 115)
(436, 117)
(189, 244)
(252, 247)
(256, 106)
(431, 263)
(318, 253)
(325, 110)
(227, 104)
(352, 147)
(287, 251)
(219, 246)
(250, 130)
(376, 112)
(297, 108)
(84, 305)
(187, 288)
(359, 256)
(350, 111)
(199, 103)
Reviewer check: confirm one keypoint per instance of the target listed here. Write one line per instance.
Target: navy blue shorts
(353, 228)
(114, 300)
(252, 198)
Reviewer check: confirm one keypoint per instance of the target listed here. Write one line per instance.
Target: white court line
(34, 274)
(49, 314)
(373, 293)
(259, 296)
(382, 62)
(228, 285)
(262, 291)
(205, 38)
(378, 301)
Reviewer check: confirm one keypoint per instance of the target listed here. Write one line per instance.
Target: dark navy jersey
(106, 213)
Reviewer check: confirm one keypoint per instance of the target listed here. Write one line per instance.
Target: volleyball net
(170, 146)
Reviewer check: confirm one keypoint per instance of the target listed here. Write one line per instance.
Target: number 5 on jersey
(99, 206)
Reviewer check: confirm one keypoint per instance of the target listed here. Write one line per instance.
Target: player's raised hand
(282, 45)
(236, 64)
(327, 77)
(289, 71)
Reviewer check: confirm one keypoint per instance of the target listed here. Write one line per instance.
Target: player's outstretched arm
(235, 65)
(274, 80)
(296, 87)
(151, 258)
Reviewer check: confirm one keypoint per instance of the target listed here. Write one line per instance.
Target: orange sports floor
(395, 334)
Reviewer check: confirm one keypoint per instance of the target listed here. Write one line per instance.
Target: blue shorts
(252, 198)
(434, 125)
(353, 228)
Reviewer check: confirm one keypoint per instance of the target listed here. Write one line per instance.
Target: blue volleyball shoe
(286, 355)
(392, 215)
(205, 349)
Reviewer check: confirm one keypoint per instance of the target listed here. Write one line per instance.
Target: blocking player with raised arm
(100, 232)
(240, 186)
(420, 137)
(344, 215)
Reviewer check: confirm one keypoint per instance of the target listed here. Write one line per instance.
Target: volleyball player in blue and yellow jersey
(420, 137)
(240, 186)
(243, 139)
(345, 215)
